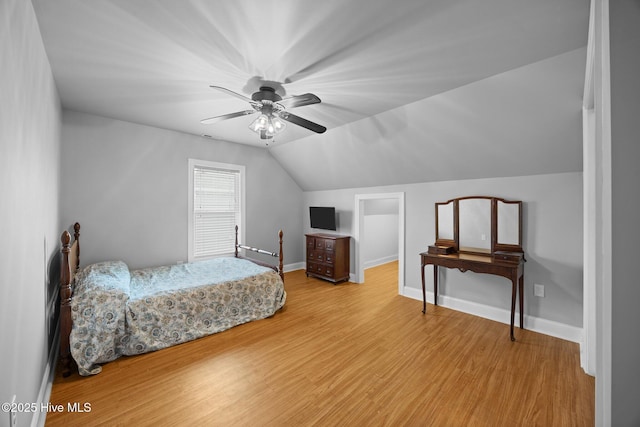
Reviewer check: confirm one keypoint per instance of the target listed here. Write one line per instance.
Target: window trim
(193, 163)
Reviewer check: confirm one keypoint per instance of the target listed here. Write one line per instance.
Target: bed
(108, 310)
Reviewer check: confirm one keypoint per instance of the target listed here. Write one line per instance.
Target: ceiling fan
(273, 111)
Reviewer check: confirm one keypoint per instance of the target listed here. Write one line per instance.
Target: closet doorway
(393, 202)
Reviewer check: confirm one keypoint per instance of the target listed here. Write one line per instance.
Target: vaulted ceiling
(373, 63)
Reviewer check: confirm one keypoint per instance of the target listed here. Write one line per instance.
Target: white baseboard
(44, 394)
(295, 266)
(380, 261)
(532, 323)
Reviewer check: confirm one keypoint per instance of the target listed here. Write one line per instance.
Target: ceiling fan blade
(297, 120)
(299, 100)
(217, 119)
(232, 93)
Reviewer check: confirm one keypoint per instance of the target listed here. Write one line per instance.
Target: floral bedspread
(118, 312)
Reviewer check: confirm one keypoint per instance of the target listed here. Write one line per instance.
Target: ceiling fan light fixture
(260, 123)
(278, 124)
(267, 125)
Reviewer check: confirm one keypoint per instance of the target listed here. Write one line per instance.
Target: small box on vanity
(440, 250)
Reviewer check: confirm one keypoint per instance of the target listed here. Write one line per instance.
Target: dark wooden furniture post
(69, 266)
(280, 256)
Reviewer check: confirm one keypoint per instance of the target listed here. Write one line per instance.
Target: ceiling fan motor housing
(266, 93)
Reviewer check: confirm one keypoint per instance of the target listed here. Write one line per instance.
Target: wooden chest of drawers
(328, 257)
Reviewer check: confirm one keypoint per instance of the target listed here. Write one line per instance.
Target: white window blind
(216, 210)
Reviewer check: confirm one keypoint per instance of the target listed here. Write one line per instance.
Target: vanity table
(480, 234)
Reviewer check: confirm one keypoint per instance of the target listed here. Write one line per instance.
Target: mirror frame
(477, 250)
(448, 242)
(495, 245)
(505, 247)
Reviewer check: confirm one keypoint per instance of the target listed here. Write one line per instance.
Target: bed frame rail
(278, 269)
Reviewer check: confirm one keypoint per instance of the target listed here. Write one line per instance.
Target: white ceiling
(151, 62)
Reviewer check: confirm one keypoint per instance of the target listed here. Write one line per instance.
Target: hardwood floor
(344, 354)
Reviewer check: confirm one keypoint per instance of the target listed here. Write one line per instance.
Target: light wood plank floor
(343, 355)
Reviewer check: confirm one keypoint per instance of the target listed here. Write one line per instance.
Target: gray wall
(552, 238)
(380, 231)
(625, 158)
(29, 215)
(127, 185)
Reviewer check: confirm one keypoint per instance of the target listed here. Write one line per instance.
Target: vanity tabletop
(475, 257)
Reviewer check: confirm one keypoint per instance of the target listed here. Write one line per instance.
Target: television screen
(322, 217)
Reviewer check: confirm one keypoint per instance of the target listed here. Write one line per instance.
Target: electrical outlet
(13, 414)
(538, 290)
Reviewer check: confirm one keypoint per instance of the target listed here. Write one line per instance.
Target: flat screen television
(323, 217)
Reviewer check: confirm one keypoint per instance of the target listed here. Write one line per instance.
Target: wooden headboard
(70, 265)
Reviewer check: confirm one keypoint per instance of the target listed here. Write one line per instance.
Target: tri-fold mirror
(479, 224)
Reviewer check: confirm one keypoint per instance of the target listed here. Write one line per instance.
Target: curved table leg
(435, 285)
(424, 293)
(514, 289)
(521, 290)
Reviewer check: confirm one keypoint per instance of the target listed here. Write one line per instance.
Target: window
(216, 206)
